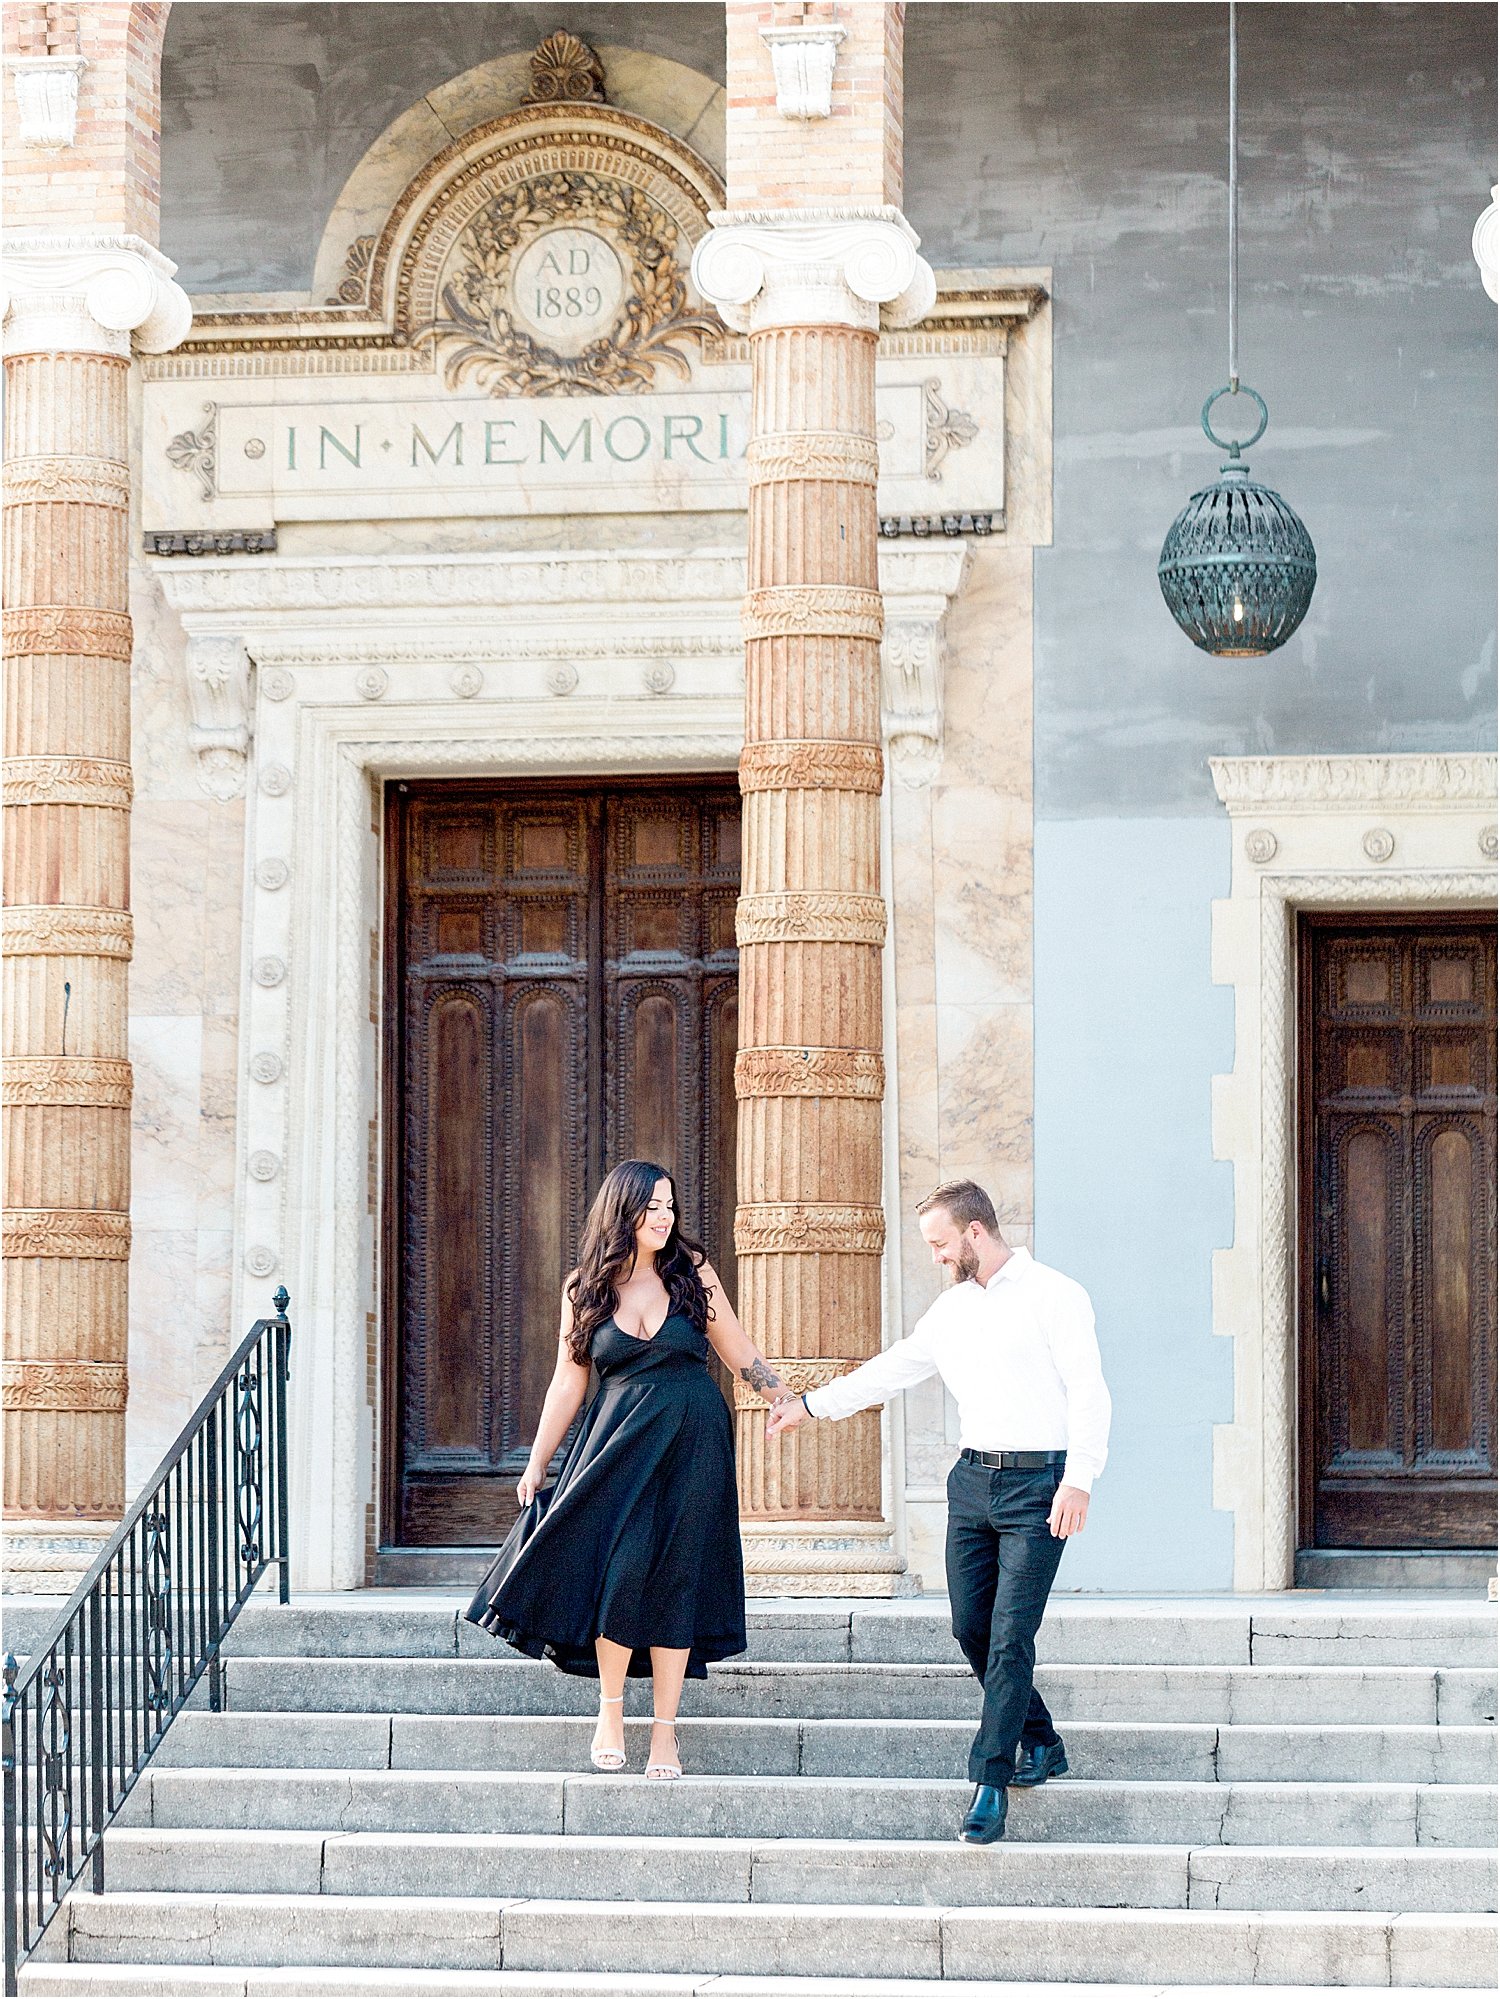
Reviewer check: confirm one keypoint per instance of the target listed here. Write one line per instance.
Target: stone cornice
(855, 267)
(1463, 781)
(89, 291)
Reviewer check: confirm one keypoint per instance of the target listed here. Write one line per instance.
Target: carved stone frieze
(1320, 782)
(65, 1384)
(809, 1072)
(93, 482)
(796, 1374)
(766, 1227)
(68, 781)
(66, 629)
(354, 284)
(813, 610)
(808, 454)
(785, 765)
(68, 1232)
(42, 930)
(103, 1081)
(817, 917)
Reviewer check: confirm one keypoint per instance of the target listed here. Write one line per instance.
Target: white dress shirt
(1021, 1358)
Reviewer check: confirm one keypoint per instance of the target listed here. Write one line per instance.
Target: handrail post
(215, 1539)
(283, 1498)
(97, 1669)
(14, 1869)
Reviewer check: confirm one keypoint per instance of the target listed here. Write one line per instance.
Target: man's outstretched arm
(900, 1366)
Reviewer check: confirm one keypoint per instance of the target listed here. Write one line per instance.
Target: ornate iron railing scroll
(140, 1631)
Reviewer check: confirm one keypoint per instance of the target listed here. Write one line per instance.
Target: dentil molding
(856, 267)
(89, 292)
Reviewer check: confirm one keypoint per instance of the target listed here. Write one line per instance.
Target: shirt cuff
(1079, 1475)
(810, 1401)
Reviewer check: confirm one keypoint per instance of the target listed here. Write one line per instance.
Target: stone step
(1013, 1873)
(1069, 1809)
(1193, 1751)
(185, 1981)
(1174, 1946)
(1363, 1695)
(1085, 1631)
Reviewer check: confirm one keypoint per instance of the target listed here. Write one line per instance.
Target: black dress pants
(1001, 1562)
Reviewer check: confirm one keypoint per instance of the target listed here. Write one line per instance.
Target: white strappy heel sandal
(607, 1759)
(665, 1773)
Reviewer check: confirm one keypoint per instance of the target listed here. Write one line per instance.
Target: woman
(631, 1564)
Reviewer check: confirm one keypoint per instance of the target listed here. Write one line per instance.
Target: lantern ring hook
(1233, 447)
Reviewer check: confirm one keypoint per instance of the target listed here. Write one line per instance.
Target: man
(1014, 1341)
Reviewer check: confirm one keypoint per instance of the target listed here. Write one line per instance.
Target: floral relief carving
(67, 781)
(196, 451)
(484, 339)
(71, 1232)
(65, 1384)
(811, 766)
(809, 1072)
(354, 285)
(57, 630)
(56, 931)
(810, 917)
(97, 1081)
(769, 1226)
(813, 610)
(565, 70)
(945, 429)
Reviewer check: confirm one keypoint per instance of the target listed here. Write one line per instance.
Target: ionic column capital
(854, 267)
(89, 292)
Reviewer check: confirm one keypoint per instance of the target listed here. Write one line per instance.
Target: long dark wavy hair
(607, 1252)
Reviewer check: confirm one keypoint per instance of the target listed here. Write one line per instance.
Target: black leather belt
(1015, 1460)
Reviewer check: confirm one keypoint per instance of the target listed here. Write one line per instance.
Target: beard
(967, 1266)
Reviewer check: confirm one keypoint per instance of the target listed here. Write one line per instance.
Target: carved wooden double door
(1398, 1233)
(562, 994)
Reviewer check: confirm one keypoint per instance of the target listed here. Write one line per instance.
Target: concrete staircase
(1284, 1791)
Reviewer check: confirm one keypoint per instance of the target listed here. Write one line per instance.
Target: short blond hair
(966, 1201)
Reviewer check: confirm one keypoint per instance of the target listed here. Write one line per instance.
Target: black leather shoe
(984, 1821)
(1035, 1763)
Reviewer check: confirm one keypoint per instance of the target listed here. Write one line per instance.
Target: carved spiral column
(811, 923)
(66, 923)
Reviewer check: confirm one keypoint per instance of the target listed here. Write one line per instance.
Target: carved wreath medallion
(570, 282)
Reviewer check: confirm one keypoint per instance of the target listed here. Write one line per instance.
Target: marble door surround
(1372, 833)
(333, 676)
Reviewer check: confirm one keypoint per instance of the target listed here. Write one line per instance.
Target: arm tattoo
(760, 1377)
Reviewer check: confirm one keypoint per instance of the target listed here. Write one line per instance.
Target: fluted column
(811, 925)
(70, 309)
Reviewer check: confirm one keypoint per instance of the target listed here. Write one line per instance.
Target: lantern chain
(1234, 200)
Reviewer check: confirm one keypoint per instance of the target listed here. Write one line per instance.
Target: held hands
(1070, 1508)
(785, 1415)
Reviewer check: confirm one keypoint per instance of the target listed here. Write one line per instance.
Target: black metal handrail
(139, 1632)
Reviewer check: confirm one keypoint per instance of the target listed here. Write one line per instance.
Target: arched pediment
(546, 251)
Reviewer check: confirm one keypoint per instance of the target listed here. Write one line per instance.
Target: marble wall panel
(962, 918)
(187, 866)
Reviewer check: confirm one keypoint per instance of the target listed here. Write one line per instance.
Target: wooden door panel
(563, 981)
(1398, 1305)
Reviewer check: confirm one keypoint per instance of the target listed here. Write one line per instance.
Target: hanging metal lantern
(1237, 567)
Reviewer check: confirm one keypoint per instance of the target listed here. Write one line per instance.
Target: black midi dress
(639, 1540)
